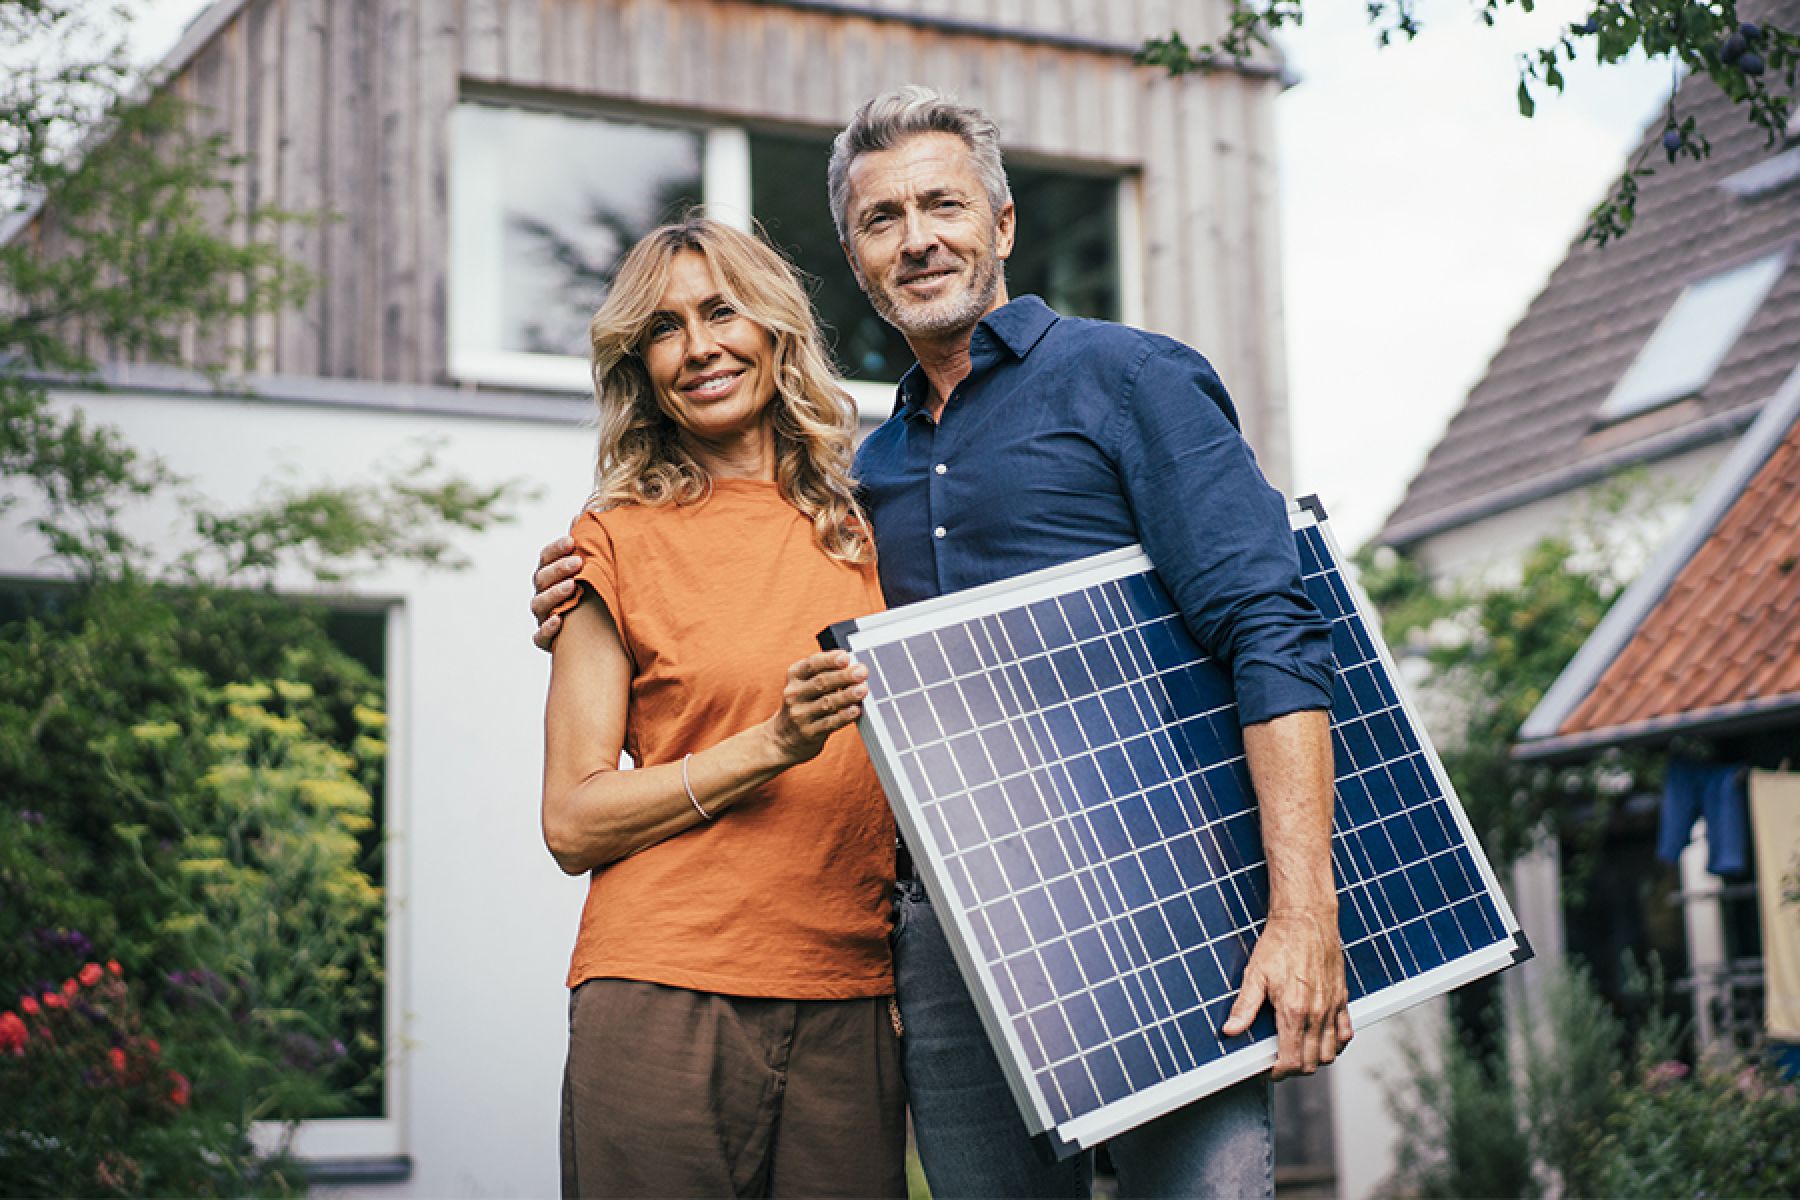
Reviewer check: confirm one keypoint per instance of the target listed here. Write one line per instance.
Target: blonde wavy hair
(642, 459)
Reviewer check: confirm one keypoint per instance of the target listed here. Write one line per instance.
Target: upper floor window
(1694, 338)
(544, 204)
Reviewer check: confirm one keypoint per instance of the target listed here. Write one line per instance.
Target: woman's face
(713, 368)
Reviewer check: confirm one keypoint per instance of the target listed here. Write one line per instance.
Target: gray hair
(891, 118)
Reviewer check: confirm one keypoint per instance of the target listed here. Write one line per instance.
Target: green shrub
(1586, 1109)
(1726, 1130)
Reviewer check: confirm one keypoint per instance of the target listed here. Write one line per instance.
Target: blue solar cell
(1015, 862)
(1047, 850)
(1083, 622)
(1072, 908)
(984, 873)
(1116, 770)
(1406, 841)
(1140, 1064)
(1040, 915)
(1077, 1091)
(1109, 1075)
(959, 650)
(1103, 663)
(893, 666)
(928, 660)
(959, 815)
(1024, 797)
(939, 769)
(1052, 626)
(1001, 744)
(1022, 637)
(1065, 974)
(1132, 884)
(1115, 1008)
(1008, 927)
(984, 703)
(1140, 827)
(1360, 746)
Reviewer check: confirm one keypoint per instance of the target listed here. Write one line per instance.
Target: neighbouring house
(481, 165)
(1644, 360)
(1700, 659)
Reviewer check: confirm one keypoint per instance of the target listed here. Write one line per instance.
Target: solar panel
(1067, 768)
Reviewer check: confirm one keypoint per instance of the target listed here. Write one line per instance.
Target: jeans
(971, 1138)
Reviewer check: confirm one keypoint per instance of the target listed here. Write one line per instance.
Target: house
(1701, 656)
(1651, 355)
(480, 166)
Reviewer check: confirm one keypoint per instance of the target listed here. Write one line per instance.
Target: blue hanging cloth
(1692, 790)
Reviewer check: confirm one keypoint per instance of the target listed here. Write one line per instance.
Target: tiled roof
(1529, 427)
(1723, 641)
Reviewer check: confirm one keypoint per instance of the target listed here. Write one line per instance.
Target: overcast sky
(1421, 215)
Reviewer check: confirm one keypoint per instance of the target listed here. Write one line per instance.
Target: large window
(544, 203)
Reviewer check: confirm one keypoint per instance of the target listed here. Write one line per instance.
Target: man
(1022, 440)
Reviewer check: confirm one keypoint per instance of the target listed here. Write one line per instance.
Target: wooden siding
(343, 108)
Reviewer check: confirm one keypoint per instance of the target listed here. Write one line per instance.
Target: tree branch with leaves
(1754, 64)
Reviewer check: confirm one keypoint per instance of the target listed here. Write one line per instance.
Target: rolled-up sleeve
(1219, 534)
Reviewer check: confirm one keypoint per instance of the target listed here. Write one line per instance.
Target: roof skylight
(1694, 338)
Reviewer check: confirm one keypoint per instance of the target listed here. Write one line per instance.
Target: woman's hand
(824, 693)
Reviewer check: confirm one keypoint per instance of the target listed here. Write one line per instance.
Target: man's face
(924, 243)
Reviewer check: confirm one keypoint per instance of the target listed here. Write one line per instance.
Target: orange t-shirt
(787, 893)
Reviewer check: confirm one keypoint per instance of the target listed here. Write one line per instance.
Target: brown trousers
(669, 1092)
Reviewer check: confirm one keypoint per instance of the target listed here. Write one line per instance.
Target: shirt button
(939, 532)
(940, 468)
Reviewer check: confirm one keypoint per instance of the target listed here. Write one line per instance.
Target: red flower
(152, 1047)
(12, 1034)
(179, 1090)
(116, 1057)
(54, 1000)
(90, 975)
(70, 987)
(112, 965)
(29, 1006)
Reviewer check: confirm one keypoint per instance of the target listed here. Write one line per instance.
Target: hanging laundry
(1692, 790)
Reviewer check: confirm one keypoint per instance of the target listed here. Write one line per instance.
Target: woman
(730, 1028)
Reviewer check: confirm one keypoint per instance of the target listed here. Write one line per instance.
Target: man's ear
(1004, 227)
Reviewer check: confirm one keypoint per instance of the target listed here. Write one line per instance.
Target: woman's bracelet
(689, 789)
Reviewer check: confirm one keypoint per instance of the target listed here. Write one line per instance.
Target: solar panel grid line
(1066, 765)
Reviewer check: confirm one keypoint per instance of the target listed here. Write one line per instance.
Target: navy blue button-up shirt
(1070, 437)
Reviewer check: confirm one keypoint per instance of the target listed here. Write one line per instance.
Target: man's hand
(554, 580)
(1298, 965)
(1298, 968)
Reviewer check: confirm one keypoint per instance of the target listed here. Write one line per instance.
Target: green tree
(1491, 651)
(190, 850)
(1754, 64)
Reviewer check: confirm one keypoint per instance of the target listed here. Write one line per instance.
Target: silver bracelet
(689, 789)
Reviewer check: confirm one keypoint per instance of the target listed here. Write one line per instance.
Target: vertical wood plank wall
(343, 106)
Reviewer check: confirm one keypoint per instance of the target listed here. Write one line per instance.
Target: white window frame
(370, 1140)
(725, 182)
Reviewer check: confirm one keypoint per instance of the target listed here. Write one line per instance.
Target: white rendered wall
(484, 918)
(1493, 547)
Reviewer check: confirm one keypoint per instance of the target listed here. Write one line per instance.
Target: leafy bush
(92, 1105)
(1585, 1109)
(1725, 1130)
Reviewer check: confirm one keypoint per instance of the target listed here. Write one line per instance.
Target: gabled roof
(1708, 638)
(1530, 428)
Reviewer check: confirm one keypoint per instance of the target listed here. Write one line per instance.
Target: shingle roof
(1714, 636)
(1529, 429)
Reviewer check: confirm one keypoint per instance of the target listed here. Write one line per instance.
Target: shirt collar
(1018, 326)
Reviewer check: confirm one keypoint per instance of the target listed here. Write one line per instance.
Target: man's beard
(949, 314)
